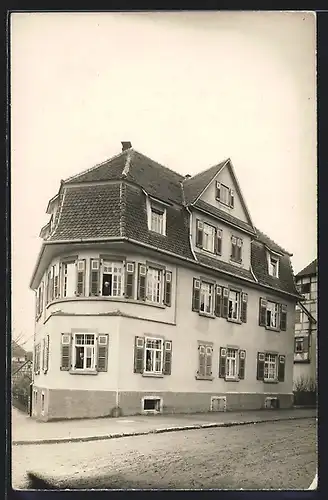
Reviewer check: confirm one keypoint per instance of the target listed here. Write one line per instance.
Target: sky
(188, 89)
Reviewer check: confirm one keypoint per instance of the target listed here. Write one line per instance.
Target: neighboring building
(21, 362)
(18, 353)
(305, 355)
(155, 293)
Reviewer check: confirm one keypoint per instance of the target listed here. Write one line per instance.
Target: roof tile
(309, 270)
(216, 212)
(194, 186)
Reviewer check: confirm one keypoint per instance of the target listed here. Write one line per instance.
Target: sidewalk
(25, 430)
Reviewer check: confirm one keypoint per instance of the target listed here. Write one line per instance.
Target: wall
(227, 233)
(209, 195)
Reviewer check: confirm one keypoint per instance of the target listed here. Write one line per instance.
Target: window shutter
(218, 190)
(167, 288)
(65, 351)
(218, 245)
(196, 295)
(239, 249)
(94, 277)
(102, 357)
(167, 357)
(208, 361)
(222, 362)
(47, 354)
(244, 300)
(60, 270)
(218, 301)
(283, 317)
(139, 354)
(199, 233)
(232, 198)
(225, 302)
(142, 282)
(262, 312)
(233, 247)
(306, 344)
(129, 280)
(56, 286)
(260, 365)
(242, 363)
(43, 354)
(80, 277)
(281, 368)
(202, 354)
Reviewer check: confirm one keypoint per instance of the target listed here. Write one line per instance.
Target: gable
(228, 180)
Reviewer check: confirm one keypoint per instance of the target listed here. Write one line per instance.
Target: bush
(21, 390)
(305, 391)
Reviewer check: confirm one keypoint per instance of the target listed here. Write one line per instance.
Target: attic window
(273, 264)
(224, 195)
(157, 219)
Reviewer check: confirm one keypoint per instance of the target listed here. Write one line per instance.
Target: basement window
(152, 404)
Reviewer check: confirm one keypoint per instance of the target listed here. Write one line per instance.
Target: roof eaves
(242, 199)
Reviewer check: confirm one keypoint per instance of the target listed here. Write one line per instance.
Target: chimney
(187, 176)
(126, 145)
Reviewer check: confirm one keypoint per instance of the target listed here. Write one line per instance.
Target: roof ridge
(221, 163)
(126, 168)
(95, 166)
(159, 164)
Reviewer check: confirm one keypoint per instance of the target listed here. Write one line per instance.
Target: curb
(161, 430)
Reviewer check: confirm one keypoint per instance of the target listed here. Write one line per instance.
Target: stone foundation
(72, 404)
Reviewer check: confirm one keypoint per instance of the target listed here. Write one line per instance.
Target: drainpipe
(190, 233)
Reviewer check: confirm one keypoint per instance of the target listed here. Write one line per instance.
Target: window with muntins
(69, 279)
(231, 363)
(206, 297)
(224, 194)
(84, 351)
(157, 220)
(236, 249)
(153, 355)
(272, 315)
(273, 266)
(299, 344)
(112, 279)
(208, 237)
(154, 285)
(234, 305)
(270, 366)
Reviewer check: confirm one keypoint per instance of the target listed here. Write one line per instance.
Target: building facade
(156, 293)
(305, 355)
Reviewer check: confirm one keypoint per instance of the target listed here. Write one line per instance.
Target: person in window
(79, 357)
(106, 288)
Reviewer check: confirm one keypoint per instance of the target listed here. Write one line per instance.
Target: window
(84, 351)
(205, 354)
(305, 288)
(233, 305)
(236, 249)
(270, 366)
(37, 358)
(299, 344)
(152, 404)
(208, 237)
(273, 266)
(112, 279)
(42, 403)
(224, 194)
(272, 315)
(206, 298)
(157, 220)
(298, 316)
(231, 363)
(69, 279)
(153, 355)
(154, 285)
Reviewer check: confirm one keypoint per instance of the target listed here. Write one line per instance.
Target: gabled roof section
(194, 186)
(309, 270)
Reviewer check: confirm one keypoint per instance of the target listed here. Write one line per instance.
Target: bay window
(84, 351)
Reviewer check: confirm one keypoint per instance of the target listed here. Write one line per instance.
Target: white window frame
(227, 191)
(85, 345)
(270, 367)
(157, 223)
(232, 355)
(154, 358)
(117, 277)
(236, 302)
(156, 398)
(206, 298)
(208, 237)
(236, 242)
(65, 279)
(154, 286)
(273, 271)
(269, 307)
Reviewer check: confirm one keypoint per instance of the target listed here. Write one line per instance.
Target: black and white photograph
(163, 250)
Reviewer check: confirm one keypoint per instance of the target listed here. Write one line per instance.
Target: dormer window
(156, 217)
(273, 266)
(224, 195)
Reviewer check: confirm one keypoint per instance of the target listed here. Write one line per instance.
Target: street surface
(277, 455)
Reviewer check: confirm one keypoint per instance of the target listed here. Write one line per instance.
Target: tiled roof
(223, 215)
(195, 185)
(17, 351)
(91, 208)
(89, 212)
(309, 270)
(136, 227)
(225, 267)
(263, 238)
(285, 282)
